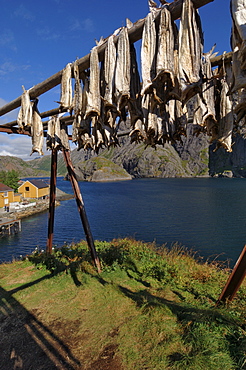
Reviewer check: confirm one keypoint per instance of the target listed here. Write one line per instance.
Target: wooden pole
(52, 201)
(135, 34)
(81, 209)
(235, 279)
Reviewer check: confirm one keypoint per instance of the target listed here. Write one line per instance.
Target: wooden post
(235, 279)
(53, 174)
(81, 208)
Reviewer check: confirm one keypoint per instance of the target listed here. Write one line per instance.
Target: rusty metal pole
(235, 279)
(53, 173)
(81, 209)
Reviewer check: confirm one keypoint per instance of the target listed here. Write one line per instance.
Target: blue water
(204, 214)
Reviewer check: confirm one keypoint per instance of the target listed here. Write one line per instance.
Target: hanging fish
(165, 67)
(94, 97)
(204, 105)
(24, 118)
(226, 119)
(122, 72)
(78, 103)
(66, 97)
(238, 13)
(37, 131)
(190, 49)
(109, 127)
(138, 133)
(97, 134)
(50, 138)
(78, 93)
(109, 71)
(134, 103)
(84, 139)
(148, 49)
(57, 137)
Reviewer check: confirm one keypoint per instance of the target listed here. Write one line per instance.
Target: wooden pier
(9, 226)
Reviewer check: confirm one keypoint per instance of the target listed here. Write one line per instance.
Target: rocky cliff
(222, 163)
(187, 159)
(192, 156)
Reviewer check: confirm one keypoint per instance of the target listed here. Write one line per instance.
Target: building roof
(40, 184)
(4, 188)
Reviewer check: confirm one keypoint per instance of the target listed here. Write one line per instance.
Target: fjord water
(207, 215)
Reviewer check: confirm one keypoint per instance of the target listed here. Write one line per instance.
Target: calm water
(204, 214)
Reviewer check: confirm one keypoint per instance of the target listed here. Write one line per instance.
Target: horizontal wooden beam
(135, 34)
(218, 60)
(13, 130)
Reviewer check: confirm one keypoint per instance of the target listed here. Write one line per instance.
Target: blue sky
(38, 38)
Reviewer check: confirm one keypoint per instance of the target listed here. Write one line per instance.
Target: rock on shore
(100, 169)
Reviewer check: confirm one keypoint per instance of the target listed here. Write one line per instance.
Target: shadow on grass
(188, 315)
(25, 342)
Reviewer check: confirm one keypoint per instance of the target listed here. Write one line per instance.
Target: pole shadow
(25, 342)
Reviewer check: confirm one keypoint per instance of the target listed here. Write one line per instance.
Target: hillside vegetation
(149, 309)
(23, 168)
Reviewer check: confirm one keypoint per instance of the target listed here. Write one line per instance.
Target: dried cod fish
(238, 12)
(226, 119)
(97, 134)
(138, 133)
(165, 65)
(134, 103)
(190, 49)
(109, 71)
(84, 139)
(79, 102)
(24, 117)
(37, 131)
(150, 119)
(78, 93)
(148, 49)
(66, 98)
(57, 137)
(94, 97)
(122, 72)
(204, 109)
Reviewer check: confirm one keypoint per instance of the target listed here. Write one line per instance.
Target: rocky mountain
(193, 156)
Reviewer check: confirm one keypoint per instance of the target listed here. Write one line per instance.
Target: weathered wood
(81, 209)
(218, 60)
(235, 279)
(13, 130)
(135, 34)
(53, 174)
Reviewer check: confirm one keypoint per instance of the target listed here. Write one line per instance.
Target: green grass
(154, 306)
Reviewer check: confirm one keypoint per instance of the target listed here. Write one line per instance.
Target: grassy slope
(23, 168)
(146, 310)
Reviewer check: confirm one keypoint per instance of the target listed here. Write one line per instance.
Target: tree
(10, 178)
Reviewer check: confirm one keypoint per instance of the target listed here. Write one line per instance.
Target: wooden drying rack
(135, 34)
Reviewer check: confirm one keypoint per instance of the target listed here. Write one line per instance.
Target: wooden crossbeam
(135, 34)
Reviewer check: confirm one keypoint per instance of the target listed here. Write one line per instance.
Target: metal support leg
(81, 209)
(52, 200)
(235, 279)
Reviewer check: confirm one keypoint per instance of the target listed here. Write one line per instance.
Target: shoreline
(41, 206)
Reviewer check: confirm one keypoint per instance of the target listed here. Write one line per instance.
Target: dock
(9, 226)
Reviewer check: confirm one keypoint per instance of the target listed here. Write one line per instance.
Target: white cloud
(88, 25)
(24, 13)
(7, 39)
(18, 146)
(9, 117)
(8, 67)
(85, 25)
(47, 34)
